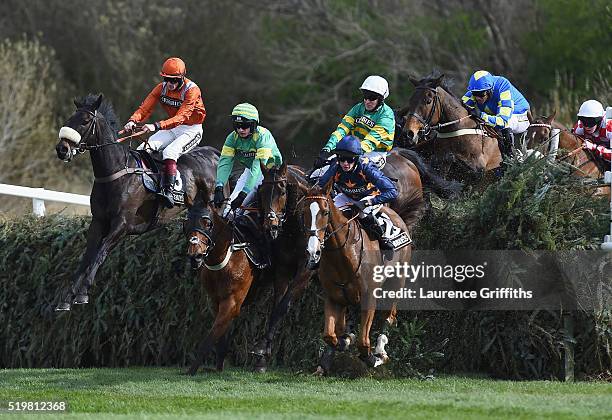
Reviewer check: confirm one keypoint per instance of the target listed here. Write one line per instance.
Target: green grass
(165, 392)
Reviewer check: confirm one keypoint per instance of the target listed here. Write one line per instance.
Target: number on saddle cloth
(398, 237)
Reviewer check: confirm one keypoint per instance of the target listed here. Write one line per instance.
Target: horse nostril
(410, 134)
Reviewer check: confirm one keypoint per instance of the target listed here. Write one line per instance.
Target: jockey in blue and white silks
(361, 184)
(499, 104)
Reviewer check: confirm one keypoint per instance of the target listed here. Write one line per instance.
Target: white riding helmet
(376, 84)
(592, 109)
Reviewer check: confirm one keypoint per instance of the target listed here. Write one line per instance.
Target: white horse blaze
(314, 245)
(69, 134)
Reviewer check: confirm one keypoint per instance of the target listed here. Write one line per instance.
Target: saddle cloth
(151, 178)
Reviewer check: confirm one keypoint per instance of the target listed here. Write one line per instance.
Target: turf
(165, 392)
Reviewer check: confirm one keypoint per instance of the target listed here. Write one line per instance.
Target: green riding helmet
(245, 113)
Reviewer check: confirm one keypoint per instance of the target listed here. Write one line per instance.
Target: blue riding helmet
(481, 81)
(349, 145)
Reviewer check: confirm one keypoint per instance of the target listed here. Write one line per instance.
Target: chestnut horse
(583, 163)
(345, 257)
(120, 204)
(227, 276)
(463, 148)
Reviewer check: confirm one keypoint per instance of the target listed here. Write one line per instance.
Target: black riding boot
(506, 143)
(371, 225)
(166, 191)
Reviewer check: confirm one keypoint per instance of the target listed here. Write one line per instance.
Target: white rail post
(553, 148)
(38, 205)
(607, 243)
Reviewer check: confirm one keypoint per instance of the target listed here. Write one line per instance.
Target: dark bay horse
(583, 163)
(228, 276)
(346, 257)
(120, 205)
(278, 197)
(463, 147)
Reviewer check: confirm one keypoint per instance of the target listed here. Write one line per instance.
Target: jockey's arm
(262, 155)
(345, 127)
(505, 107)
(226, 161)
(468, 99)
(388, 190)
(145, 109)
(331, 171)
(184, 112)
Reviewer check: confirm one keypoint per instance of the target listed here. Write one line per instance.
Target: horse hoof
(62, 307)
(319, 372)
(81, 299)
(260, 369)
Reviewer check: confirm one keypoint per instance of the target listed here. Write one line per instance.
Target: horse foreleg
(367, 316)
(95, 233)
(294, 291)
(333, 312)
(221, 349)
(227, 311)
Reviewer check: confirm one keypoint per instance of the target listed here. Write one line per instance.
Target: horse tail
(431, 180)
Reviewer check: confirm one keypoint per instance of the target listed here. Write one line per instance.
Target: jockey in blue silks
(499, 104)
(362, 186)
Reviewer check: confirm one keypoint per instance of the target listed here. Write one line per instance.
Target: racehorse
(229, 277)
(120, 204)
(583, 162)
(345, 257)
(278, 197)
(463, 147)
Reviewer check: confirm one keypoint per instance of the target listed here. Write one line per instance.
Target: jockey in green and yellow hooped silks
(371, 121)
(250, 144)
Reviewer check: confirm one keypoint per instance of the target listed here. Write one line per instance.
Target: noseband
(427, 127)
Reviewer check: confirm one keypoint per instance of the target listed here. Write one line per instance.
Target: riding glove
(474, 112)
(219, 197)
(237, 202)
(323, 156)
(129, 126)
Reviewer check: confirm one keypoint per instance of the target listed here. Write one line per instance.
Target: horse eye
(283, 193)
(326, 213)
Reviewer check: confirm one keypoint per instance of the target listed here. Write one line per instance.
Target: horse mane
(106, 109)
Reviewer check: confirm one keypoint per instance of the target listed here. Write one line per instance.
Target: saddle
(247, 230)
(152, 163)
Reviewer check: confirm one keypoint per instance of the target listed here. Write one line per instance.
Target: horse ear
(283, 169)
(98, 102)
(414, 81)
(529, 117)
(438, 80)
(552, 116)
(78, 103)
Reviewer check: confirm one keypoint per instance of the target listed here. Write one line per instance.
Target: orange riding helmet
(173, 67)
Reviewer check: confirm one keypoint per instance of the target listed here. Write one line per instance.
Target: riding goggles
(242, 124)
(590, 121)
(172, 79)
(480, 93)
(370, 96)
(347, 159)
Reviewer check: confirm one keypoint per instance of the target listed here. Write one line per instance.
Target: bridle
(196, 216)
(83, 144)
(315, 232)
(272, 215)
(426, 122)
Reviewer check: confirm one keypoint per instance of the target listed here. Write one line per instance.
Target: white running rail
(39, 195)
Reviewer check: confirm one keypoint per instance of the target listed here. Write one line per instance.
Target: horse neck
(107, 159)
(338, 224)
(452, 109)
(569, 141)
(222, 235)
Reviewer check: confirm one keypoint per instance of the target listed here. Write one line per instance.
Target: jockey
(181, 132)
(495, 100)
(250, 144)
(371, 121)
(363, 186)
(592, 124)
